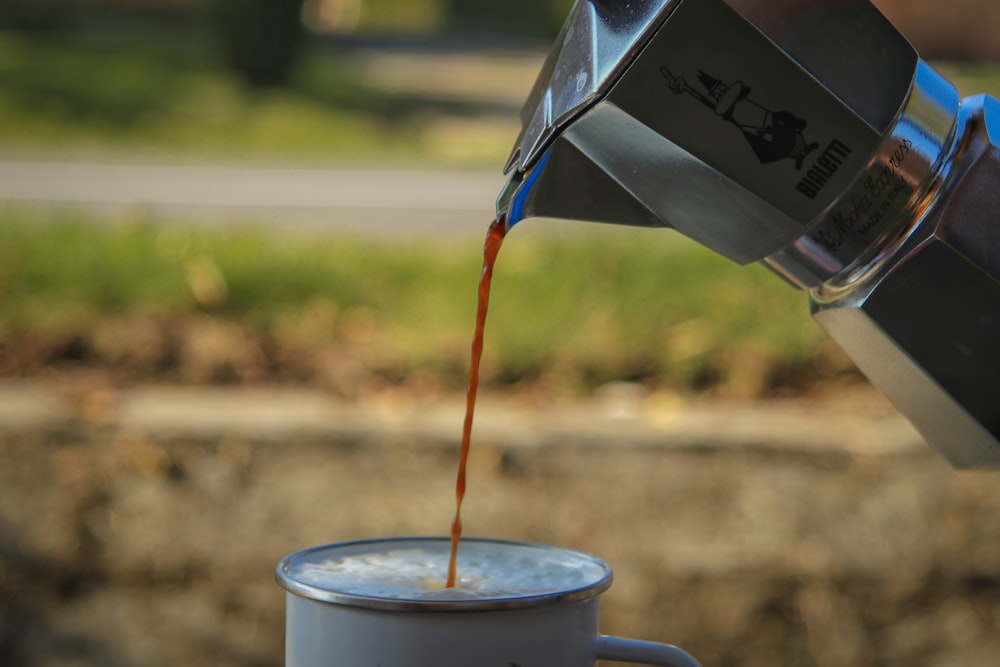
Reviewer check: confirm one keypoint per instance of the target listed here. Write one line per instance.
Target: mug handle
(635, 650)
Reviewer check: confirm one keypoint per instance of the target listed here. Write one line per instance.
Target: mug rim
(287, 580)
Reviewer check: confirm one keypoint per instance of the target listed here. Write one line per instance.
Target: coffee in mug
(383, 603)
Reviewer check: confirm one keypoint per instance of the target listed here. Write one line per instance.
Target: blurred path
(620, 416)
(371, 201)
(492, 78)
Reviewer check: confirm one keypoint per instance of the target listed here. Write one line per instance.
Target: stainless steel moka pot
(807, 135)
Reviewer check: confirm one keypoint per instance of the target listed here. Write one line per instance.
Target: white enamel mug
(346, 607)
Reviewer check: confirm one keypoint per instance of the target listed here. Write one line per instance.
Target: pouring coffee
(806, 135)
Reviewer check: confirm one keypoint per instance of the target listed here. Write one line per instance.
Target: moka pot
(807, 135)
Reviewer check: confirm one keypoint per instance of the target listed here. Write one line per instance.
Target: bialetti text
(823, 169)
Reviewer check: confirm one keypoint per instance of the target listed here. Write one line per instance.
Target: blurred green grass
(153, 91)
(571, 309)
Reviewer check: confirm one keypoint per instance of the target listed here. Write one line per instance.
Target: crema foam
(487, 570)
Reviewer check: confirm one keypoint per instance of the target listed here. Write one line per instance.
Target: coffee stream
(494, 239)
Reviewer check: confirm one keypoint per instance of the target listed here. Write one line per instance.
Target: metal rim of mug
(308, 591)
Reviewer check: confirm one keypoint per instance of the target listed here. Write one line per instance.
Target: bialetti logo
(773, 135)
(823, 169)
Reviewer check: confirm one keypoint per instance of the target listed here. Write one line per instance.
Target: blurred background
(265, 205)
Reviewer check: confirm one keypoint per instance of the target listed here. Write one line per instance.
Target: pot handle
(649, 653)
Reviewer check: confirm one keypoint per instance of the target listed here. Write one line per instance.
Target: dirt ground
(131, 548)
